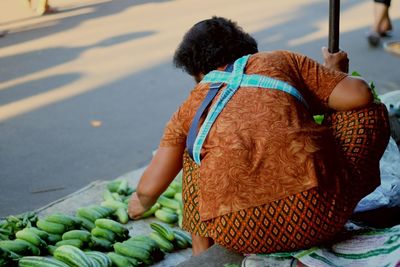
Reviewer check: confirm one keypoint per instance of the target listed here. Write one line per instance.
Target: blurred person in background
(42, 7)
(259, 174)
(382, 25)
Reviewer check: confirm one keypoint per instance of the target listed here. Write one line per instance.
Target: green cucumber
(131, 251)
(82, 235)
(169, 202)
(32, 261)
(164, 244)
(101, 244)
(166, 216)
(103, 233)
(51, 227)
(164, 230)
(101, 257)
(72, 242)
(151, 211)
(119, 260)
(169, 192)
(112, 225)
(72, 256)
(122, 215)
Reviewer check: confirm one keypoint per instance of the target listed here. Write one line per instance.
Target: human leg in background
(382, 24)
(43, 7)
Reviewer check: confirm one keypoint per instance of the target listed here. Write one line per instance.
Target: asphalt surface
(85, 92)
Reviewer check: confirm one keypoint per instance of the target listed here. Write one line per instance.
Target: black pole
(334, 20)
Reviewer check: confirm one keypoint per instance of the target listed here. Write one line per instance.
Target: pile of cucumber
(95, 236)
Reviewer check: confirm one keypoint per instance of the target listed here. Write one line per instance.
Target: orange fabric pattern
(264, 145)
(308, 218)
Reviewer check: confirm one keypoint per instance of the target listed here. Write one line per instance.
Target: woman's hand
(135, 207)
(336, 61)
(165, 165)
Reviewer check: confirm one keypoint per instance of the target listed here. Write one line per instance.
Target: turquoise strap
(256, 80)
(234, 80)
(232, 85)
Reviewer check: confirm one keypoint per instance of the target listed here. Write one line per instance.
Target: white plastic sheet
(388, 193)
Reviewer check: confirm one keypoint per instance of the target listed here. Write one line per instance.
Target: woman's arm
(351, 92)
(163, 168)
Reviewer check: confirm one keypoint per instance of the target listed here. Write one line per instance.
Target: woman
(260, 175)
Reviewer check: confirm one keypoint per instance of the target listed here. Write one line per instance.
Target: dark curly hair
(212, 43)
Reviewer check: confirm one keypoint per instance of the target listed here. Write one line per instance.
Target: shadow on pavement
(44, 29)
(42, 59)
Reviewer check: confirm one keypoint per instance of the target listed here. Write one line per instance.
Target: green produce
(83, 235)
(35, 251)
(169, 192)
(87, 224)
(151, 211)
(142, 244)
(31, 237)
(113, 204)
(94, 263)
(143, 238)
(169, 210)
(51, 227)
(123, 187)
(107, 195)
(162, 242)
(178, 196)
(100, 257)
(54, 238)
(51, 249)
(104, 211)
(4, 237)
(180, 242)
(122, 215)
(166, 216)
(183, 234)
(113, 185)
(72, 256)
(42, 234)
(103, 233)
(71, 222)
(112, 225)
(149, 244)
(37, 261)
(89, 213)
(12, 224)
(120, 261)
(8, 255)
(5, 234)
(177, 186)
(17, 246)
(169, 202)
(180, 220)
(72, 242)
(134, 252)
(101, 244)
(164, 230)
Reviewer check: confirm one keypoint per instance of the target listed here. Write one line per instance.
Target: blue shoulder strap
(233, 80)
(214, 87)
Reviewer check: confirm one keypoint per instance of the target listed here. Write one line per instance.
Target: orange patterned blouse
(264, 145)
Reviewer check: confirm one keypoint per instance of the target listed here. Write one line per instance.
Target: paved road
(85, 92)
